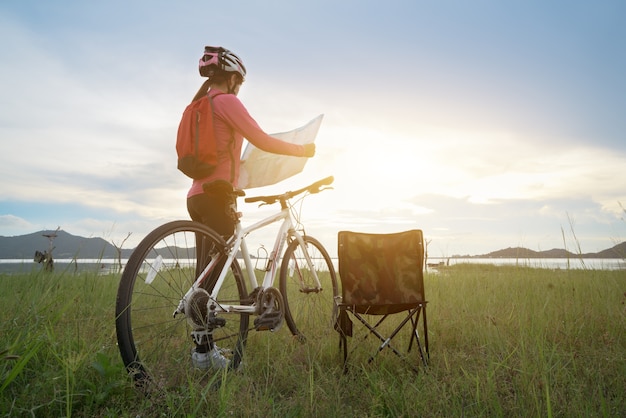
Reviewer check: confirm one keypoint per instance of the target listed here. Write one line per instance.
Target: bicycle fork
(294, 268)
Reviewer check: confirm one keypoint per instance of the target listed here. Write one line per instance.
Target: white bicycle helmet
(218, 58)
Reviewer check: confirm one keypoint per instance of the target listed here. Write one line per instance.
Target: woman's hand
(309, 150)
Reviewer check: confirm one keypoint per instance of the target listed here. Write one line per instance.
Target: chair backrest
(381, 273)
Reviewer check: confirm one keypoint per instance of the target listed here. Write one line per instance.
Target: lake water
(111, 266)
(548, 263)
(60, 265)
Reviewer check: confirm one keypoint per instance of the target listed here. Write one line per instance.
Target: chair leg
(343, 343)
(341, 324)
(413, 315)
(419, 347)
(415, 335)
(386, 342)
(425, 322)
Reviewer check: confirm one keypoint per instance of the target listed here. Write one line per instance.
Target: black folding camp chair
(382, 275)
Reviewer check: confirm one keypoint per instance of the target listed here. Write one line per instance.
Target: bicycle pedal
(215, 322)
(269, 322)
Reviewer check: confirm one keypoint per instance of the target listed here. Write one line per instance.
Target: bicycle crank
(271, 310)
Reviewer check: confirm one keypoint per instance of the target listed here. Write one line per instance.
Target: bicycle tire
(156, 346)
(309, 315)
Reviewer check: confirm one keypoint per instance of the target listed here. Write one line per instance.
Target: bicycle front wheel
(154, 344)
(310, 310)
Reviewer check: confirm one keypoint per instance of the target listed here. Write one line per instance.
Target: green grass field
(504, 341)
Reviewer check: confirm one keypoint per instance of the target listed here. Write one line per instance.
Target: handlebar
(312, 188)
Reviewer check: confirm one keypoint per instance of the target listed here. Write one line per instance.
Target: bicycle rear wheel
(156, 346)
(310, 311)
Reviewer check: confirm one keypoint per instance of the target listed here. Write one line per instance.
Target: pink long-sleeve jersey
(232, 123)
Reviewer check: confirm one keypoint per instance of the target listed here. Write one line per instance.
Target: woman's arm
(237, 116)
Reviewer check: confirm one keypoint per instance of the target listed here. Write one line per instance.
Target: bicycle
(183, 282)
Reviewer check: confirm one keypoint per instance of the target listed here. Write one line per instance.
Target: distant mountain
(65, 246)
(618, 251)
(520, 252)
(68, 246)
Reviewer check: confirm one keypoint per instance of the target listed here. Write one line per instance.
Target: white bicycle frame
(238, 241)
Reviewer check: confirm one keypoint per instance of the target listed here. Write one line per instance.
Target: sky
(487, 124)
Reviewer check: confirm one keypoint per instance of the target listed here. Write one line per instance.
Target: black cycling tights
(213, 211)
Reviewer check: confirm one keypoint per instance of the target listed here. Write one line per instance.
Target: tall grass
(504, 341)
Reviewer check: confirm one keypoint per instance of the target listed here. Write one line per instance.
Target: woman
(232, 122)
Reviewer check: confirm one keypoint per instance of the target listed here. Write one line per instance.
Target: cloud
(14, 225)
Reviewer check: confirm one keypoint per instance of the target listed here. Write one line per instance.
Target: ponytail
(204, 88)
(217, 77)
